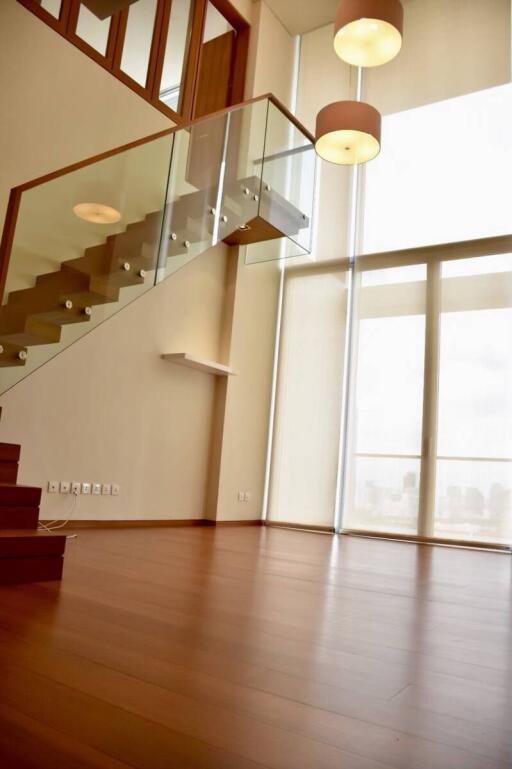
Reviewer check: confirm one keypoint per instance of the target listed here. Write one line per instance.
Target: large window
(165, 50)
(388, 397)
(431, 429)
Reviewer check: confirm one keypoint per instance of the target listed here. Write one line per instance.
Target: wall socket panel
(244, 496)
(83, 487)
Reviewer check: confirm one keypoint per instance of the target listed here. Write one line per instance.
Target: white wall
(251, 350)
(271, 56)
(108, 409)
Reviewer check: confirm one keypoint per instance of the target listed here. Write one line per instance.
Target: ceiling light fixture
(348, 132)
(368, 33)
(97, 213)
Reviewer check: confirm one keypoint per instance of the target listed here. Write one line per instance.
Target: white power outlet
(96, 488)
(115, 489)
(241, 496)
(53, 487)
(106, 489)
(247, 496)
(86, 487)
(65, 487)
(76, 488)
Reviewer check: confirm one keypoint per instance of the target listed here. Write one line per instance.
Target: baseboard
(153, 524)
(224, 524)
(300, 527)
(132, 524)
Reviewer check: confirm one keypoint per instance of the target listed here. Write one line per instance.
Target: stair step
(10, 452)
(19, 517)
(23, 543)
(14, 495)
(35, 331)
(8, 472)
(35, 569)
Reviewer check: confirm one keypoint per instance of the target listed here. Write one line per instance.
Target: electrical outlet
(106, 489)
(86, 487)
(240, 496)
(65, 487)
(96, 488)
(76, 488)
(53, 487)
(247, 496)
(115, 489)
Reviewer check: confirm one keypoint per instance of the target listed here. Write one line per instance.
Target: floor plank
(252, 648)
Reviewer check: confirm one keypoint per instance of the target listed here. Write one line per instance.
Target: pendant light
(348, 132)
(368, 33)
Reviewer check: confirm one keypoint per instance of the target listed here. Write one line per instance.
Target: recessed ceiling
(299, 16)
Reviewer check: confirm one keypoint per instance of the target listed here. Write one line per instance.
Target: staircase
(35, 316)
(26, 554)
(244, 176)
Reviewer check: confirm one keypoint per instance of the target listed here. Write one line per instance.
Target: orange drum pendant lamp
(368, 33)
(348, 132)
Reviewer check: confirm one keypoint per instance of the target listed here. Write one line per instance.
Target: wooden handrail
(168, 132)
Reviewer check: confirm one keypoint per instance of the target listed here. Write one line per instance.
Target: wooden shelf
(200, 364)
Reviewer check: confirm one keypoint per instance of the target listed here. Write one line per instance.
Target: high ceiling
(300, 16)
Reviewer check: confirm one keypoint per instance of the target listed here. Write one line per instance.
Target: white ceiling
(299, 16)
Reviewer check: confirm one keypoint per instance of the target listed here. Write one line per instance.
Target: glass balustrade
(83, 243)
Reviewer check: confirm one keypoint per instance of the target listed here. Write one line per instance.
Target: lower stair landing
(29, 555)
(26, 553)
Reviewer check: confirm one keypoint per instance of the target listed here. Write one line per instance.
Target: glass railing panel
(288, 183)
(68, 274)
(89, 241)
(214, 184)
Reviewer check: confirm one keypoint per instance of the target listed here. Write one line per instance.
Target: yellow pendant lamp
(368, 33)
(348, 133)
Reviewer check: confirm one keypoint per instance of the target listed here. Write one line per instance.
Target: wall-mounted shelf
(200, 364)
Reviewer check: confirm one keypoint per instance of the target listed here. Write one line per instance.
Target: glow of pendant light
(348, 133)
(368, 33)
(96, 213)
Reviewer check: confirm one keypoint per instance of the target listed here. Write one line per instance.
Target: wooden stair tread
(30, 543)
(19, 516)
(16, 571)
(10, 452)
(14, 495)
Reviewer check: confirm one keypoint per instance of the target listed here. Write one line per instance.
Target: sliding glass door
(431, 427)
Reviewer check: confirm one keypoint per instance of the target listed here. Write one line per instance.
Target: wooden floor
(244, 648)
